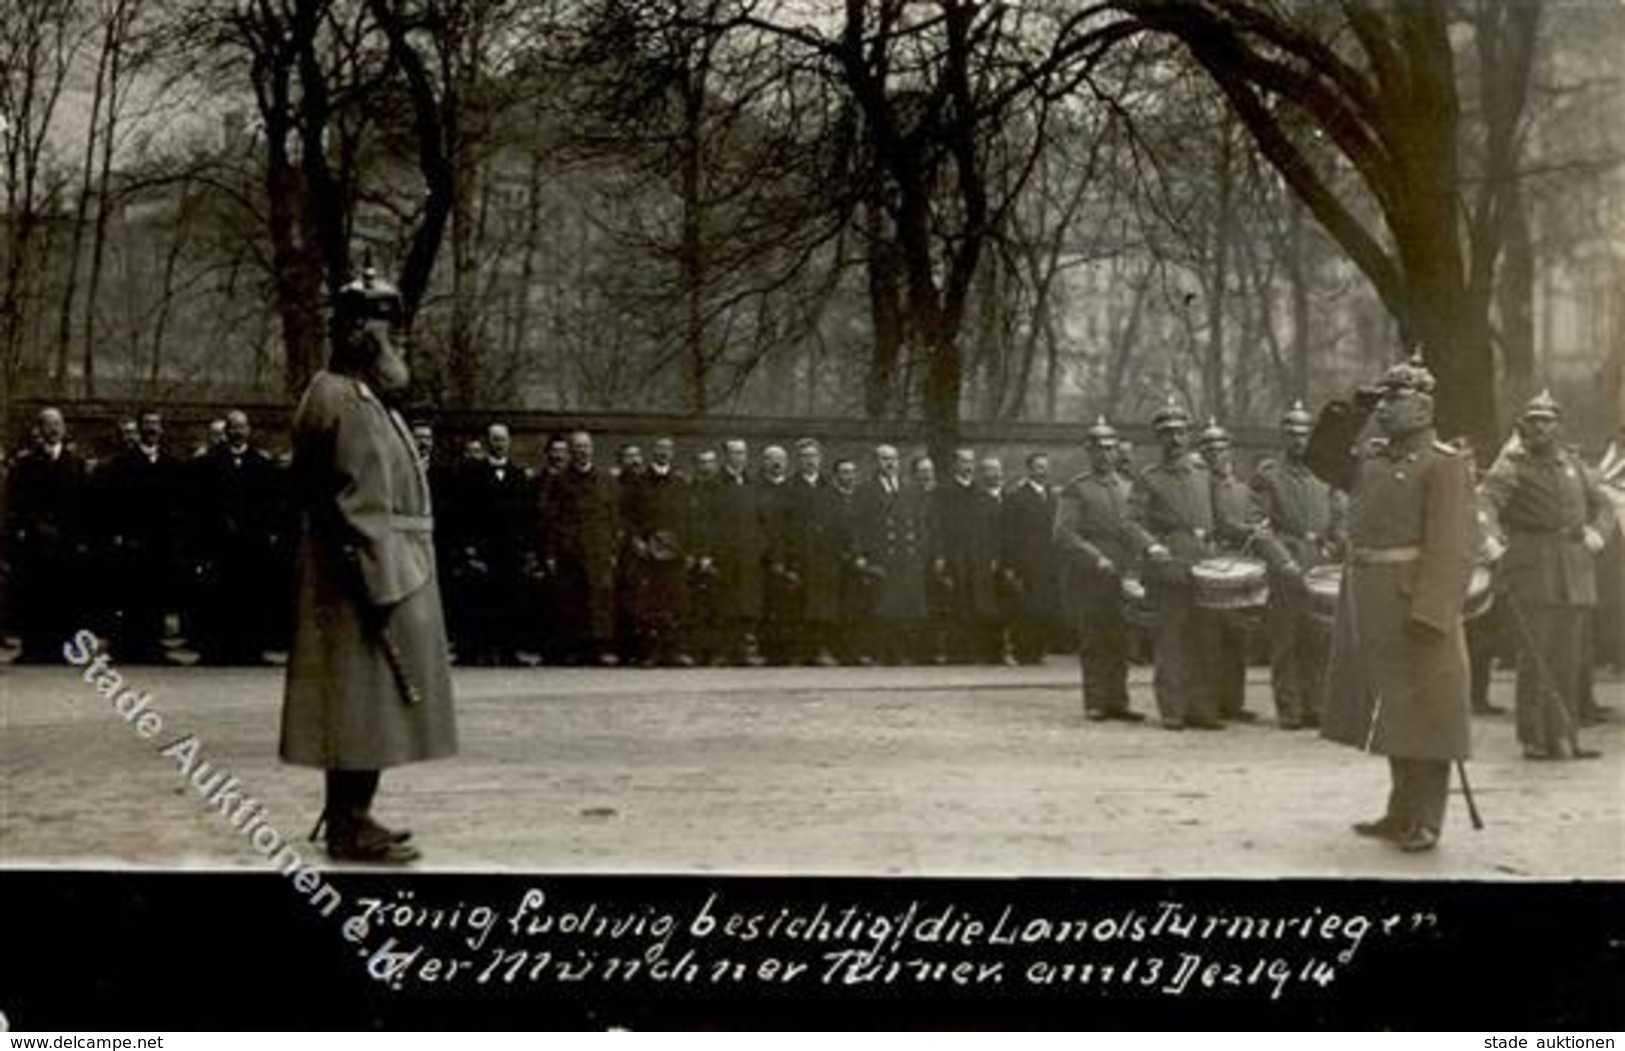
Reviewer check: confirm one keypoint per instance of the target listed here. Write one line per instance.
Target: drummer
(1305, 517)
(1550, 518)
(1235, 523)
(1171, 524)
(1089, 532)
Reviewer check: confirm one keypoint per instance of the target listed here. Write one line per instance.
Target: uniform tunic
(365, 551)
(1236, 516)
(1305, 517)
(1172, 504)
(1091, 525)
(1413, 532)
(1542, 504)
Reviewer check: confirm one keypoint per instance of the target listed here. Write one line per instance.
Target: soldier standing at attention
(1235, 524)
(1171, 520)
(1550, 519)
(368, 683)
(1091, 532)
(1398, 681)
(1305, 518)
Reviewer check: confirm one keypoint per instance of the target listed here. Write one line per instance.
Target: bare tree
(1378, 80)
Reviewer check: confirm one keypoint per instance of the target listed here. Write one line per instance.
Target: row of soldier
(726, 561)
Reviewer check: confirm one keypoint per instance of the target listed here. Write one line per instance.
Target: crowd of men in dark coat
(122, 543)
(738, 556)
(787, 560)
(734, 558)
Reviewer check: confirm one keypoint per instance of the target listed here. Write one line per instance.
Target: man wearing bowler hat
(368, 683)
(1398, 681)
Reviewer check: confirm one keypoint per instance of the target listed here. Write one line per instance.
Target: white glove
(1494, 548)
(1594, 541)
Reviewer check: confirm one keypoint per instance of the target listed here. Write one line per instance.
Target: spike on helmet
(1171, 416)
(1542, 407)
(1410, 376)
(1297, 420)
(1213, 434)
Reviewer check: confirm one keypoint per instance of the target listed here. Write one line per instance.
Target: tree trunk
(1515, 295)
(1213, 373)
(943, 376)
(1300, 273)
(886, 310)
(691, 250)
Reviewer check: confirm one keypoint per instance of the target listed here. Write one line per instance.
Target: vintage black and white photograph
(697, 449)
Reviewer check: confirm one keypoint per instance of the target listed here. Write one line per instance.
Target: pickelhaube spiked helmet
(1297, 420)
(1100, 432)
(1542, 407)
(1213, 434)
(1172, 416)
(1411, 376)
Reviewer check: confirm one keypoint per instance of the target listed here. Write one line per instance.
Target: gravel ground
(935, 771)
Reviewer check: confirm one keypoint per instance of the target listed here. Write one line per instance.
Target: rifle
(1553, 696)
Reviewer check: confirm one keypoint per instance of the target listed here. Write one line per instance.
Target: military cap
(1213, 434)
(1542, 407)
(368, 298)
(1297, 420)
(1410, 376)
(1172, 416)
(1101, 432)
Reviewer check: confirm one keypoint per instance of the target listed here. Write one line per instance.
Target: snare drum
(1230, 582)
(1324, 584)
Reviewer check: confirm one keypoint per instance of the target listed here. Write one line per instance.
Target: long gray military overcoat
(1391, 688)
(365, 544)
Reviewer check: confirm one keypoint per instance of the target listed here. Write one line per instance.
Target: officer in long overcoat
(1091, 532)
(1397, 684)
(368, 681)
(1544, 509)
(1305, 517)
